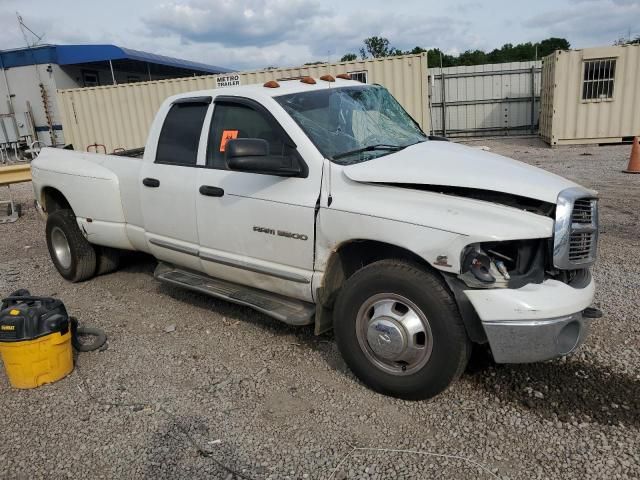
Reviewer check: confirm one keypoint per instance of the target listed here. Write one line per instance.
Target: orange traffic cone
(634, 159)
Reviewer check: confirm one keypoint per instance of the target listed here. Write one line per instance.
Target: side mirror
(252, 155)
(247, 147)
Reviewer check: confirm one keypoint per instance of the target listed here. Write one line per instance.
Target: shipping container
(119, 116)
(591, 95)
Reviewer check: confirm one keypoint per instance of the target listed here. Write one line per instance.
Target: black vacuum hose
(99, 341)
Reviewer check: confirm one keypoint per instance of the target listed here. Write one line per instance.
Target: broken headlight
(510, 264)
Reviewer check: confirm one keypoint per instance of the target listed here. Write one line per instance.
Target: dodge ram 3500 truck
(322, 202)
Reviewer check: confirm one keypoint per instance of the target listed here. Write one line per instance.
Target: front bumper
(534, 323)
(520, 341)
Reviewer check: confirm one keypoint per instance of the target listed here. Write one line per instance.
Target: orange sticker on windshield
(226, 136)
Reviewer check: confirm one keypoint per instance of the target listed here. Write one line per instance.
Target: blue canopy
(74, 54)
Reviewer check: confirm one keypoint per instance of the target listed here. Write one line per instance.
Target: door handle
(151, 182)
(210, 191)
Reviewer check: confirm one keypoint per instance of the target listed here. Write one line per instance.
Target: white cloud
(291, 32)
(237, 23)
(239, 58)
(248, 34)
(589, 22)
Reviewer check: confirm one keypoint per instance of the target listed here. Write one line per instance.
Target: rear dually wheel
(73, 256)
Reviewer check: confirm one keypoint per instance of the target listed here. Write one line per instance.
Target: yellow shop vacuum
(35, 339)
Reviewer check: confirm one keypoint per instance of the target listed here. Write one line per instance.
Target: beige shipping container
(119, 116)
(591, 95)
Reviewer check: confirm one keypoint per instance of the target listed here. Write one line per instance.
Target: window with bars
(359, 76)
(598, 79)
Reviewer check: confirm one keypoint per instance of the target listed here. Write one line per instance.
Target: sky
(251, 34)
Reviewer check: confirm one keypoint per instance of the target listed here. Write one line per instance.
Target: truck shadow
(574, 391)
(137, 262)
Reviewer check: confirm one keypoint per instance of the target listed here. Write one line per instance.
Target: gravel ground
(233, 394)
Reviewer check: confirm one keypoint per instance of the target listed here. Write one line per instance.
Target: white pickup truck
(322, 202)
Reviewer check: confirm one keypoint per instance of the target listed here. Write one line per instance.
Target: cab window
(235, 120)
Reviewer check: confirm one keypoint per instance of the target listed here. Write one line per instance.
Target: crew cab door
(256, 229)
(168, 184)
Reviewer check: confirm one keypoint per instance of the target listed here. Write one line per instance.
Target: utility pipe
(113, 77)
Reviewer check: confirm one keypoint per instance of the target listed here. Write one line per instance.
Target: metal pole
(149, 71)
(430, 81)
(6, 81)
(533, 99)
(444, 104)
(113, 77)
(443, 101)
(5, 133)
(31, 125)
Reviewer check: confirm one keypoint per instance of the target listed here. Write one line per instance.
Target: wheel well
(351, 257)
(53, 200)
(354, 255)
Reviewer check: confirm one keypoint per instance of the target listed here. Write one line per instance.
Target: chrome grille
(580, 246)
(576, 230)
(582, 211)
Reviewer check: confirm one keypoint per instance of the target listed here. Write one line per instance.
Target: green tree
(550, 45)
(416, 50)
(627, 41)
(472, 57)
(435, 54)
(523, 52)
(348, 57)
(377, 47)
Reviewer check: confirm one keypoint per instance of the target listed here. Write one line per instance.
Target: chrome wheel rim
(394, 334)
(61, 248)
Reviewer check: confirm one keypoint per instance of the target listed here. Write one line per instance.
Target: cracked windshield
(353, 124)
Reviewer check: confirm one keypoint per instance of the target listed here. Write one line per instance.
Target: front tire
(399, 330)
(73, 256)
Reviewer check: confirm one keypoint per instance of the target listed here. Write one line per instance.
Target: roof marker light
(308, 80)
(271, 84)
(344, 76)
(327, 78)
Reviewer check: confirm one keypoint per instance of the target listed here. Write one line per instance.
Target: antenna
(24, 29)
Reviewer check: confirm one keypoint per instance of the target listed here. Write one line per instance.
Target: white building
(31, 77)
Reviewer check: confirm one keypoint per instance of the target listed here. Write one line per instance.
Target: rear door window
(180, 134)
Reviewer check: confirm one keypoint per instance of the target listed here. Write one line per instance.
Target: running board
(290, 311)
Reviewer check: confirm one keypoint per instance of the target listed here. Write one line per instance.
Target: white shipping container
(591, 95)
(119, 116)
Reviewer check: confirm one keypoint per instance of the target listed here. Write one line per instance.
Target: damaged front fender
(435, 226)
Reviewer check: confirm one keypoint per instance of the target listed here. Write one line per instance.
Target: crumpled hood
(454, 165)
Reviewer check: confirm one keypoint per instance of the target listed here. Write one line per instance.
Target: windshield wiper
(370, 148)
